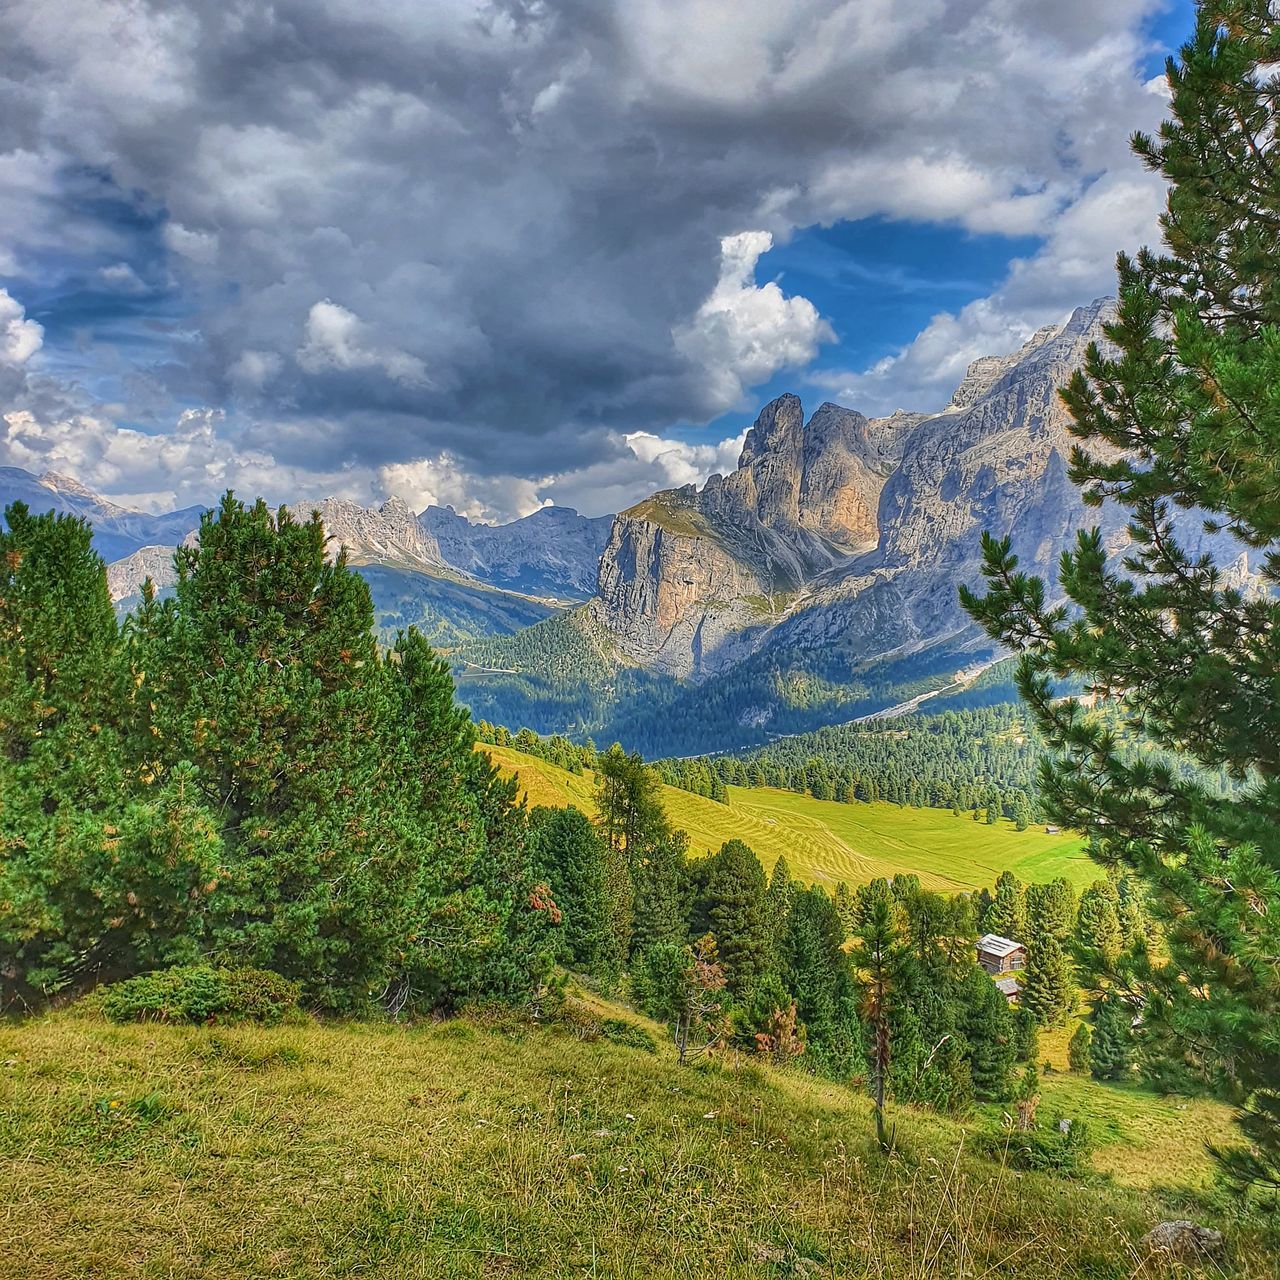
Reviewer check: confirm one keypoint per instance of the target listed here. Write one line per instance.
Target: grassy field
(485, 1149)
(825, 842)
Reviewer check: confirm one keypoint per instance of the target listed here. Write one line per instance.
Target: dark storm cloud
(406, 230)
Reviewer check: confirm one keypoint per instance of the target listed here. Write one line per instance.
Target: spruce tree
(1007, 915)
(103, 870)
(879, 961)
(814, 967)
(728, 903)
(1078, 1048)
(1049, 984)
(1051, 909)
(1099, 935)
(1111, 1046)
(568, 851)
(660, 882)
(986, 1023)
(1181, 408)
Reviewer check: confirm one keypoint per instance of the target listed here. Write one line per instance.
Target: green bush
(199, 993)
(1043, 1149)
(616, 1031)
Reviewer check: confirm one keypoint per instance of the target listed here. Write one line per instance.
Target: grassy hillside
(825, 842)
(485, 1149)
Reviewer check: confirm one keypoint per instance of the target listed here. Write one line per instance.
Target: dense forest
(563, 676)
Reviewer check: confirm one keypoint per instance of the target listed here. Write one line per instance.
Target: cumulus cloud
(510, 234)
(744, 333)
(20, 338)
(337, 339)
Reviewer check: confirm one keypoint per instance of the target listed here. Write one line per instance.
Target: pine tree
(986, 1023)
(101, 872)
(631, 814)
(1026, 1035)
(879, 959)
(1183, 407)
(660, 887)
(1051, 909)
(1049, 987)
(1111, 1046)
(568, 851)
(777, 905)
(815, 969)
(1098, 933)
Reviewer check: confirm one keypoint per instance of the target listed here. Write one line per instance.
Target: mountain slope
(553, 552)
(819, 581)
(571, 1146)
(825, 842)
(117, 531)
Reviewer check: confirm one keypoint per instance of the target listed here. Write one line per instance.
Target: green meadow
(825, 842)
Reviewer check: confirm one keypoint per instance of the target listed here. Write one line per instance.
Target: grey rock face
(554, 551)
(692, 579)
(388, 535)
(858, 531)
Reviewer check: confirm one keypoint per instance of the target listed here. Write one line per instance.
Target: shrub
(199, 993)
(616, 1031)
(1042, 1148)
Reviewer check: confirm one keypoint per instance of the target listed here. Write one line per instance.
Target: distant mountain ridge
(818, 581)
(117, 531)
(554, 551)
(412, 581)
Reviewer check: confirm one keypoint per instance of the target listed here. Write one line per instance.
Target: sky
(514, 252)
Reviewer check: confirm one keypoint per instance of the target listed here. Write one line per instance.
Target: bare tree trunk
(881, 1071)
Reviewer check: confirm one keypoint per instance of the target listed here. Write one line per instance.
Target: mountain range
(816, 582)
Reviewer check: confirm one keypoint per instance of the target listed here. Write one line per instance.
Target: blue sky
(476, 255)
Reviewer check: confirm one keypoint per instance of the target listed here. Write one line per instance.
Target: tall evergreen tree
(1098, 930)
(1007, 915)
(1051, 910)
(661, 881)
(101, 872)
(1182, 407)
(1078, 1048)
(1111, 1046)
(986, 1023)
(567, 849)
(816, 970)
(728, 903)
(1049, 986)
(879, 960)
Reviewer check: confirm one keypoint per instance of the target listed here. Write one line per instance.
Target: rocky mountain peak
(389, 534)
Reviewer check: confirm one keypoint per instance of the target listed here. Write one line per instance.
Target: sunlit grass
(825, 842)
(482, 1149)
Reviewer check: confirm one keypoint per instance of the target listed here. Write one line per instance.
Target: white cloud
(639, 463)
(442, 482)
(252, 370)
(1074, 266)
(20, 338)
(744, 333)
(196, 246)
(526, 208)
(337, 339)
(122, 278)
